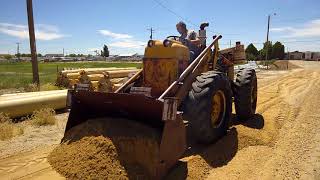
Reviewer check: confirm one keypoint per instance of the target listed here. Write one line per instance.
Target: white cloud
(93, 49)
(281, 29)
(42, 32)
(114, 35)
(308, 30)
(123, 43)
(128, 44)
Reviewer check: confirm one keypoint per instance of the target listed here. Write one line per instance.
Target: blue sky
(81, 26)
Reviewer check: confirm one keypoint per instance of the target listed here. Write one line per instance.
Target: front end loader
(169, 95)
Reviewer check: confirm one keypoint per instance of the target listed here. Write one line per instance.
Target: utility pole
(267, 45)
(63, 51)
(230, 43)
(18, 51)
(33, 44)
(151, 32)
(288, 58)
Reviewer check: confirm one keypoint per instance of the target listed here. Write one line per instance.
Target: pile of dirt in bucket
(107, 149)
(283, 65)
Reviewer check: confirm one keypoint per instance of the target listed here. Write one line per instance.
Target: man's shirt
(190, 35)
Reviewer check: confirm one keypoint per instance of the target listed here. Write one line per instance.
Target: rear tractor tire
(208, 107)
(245, 93)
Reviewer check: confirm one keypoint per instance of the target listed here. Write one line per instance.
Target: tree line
(275, 51)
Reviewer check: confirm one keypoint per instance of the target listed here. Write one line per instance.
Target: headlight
(167, 43)
(150, 43)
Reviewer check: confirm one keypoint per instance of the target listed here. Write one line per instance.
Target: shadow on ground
(214, 155)
(255, 122)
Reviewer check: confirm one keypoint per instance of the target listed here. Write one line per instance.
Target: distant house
(308, 55)
(53, 55)
(315, 56)
(312, 56)
(130, 57)
(296, 55)
(3, 55)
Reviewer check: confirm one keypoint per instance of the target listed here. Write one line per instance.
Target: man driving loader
(189, 38)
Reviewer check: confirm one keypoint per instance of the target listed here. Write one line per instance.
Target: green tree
(267, 47)
(18, 55)
(105, 51)
(7, 56)
(39, 55)
(278, 51)
(252, 52)
(72, 55)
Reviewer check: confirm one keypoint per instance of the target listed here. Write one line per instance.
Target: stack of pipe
(100, 79)
(21, 104)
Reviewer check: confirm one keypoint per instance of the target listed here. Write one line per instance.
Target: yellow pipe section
(121, 73)
(73, 75)
(27, 104)
(99, 70)
(9, 97)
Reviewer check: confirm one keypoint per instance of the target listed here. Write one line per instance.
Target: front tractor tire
(245, 94)
(208, 107)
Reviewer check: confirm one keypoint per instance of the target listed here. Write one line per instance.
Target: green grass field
(19, 74)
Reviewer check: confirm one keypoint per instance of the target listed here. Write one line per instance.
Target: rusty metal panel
(141, 90)
(159, 74)
(89, 104)
(170, 106)
(173, 145)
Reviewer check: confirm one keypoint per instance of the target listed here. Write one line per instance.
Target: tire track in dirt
(29, 165)
(291, 152)
(279, 102)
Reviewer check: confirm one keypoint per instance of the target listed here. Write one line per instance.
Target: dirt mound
(107, 149)
(283, 65)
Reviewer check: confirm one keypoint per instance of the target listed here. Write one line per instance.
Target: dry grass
(43, 87)
(43, 117)
(49, 87)
(8, 129)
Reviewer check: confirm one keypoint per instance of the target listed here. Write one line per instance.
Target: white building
(312, 56)
(308, 55)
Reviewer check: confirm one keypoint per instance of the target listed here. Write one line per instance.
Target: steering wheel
(176, 38)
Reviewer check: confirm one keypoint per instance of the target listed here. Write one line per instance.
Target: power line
(174, 13)
(185, 19)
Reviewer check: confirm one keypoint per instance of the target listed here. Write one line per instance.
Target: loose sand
(107, 149)
(283, 65)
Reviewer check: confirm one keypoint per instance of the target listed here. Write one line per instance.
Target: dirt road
(282, 141)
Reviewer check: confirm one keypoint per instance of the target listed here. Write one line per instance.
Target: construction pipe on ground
(25, 105)
(6, 97)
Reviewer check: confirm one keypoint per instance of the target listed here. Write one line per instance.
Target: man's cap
(182, 24)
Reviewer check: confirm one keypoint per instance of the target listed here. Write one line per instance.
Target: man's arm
(193, 37)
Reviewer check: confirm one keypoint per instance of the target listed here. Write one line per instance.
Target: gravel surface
(34, 137)
(281, 141)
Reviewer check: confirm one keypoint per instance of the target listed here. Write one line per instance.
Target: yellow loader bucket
(170, 146)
